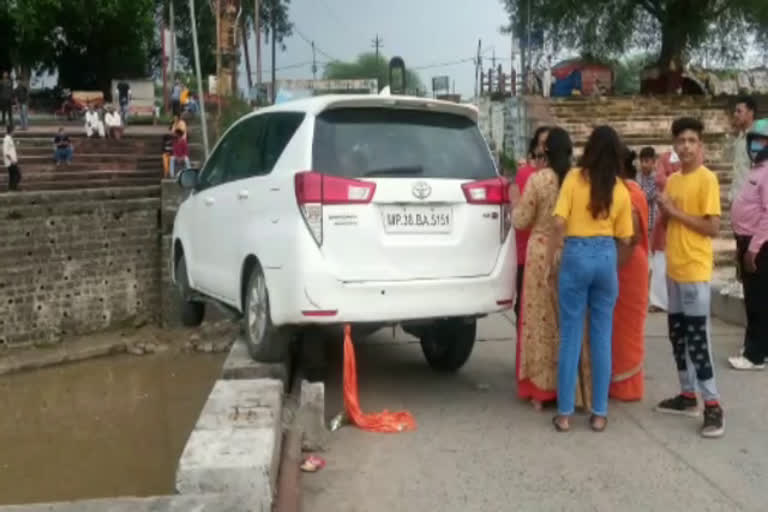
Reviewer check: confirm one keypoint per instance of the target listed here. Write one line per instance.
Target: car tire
(266, 343)
(447, 344)
(191, 312)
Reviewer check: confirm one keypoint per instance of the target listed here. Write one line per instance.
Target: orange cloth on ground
(384, 421)
(631, 309)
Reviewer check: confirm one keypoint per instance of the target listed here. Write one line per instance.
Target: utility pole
(274, 49)
(378, 42)
(172, 16)
(203, 123)
(257, 29)
(478, 66)
(314, 62)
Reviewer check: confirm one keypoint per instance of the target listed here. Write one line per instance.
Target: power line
(310, 42)
(444, 64)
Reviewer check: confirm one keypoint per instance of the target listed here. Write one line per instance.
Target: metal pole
(274, 49)
(165, 68)
(199, 76)
(257, 29)
(173, 42)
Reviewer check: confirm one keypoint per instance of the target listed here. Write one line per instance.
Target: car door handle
(243, 194)
(209, 201)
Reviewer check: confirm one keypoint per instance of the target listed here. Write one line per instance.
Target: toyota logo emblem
(421, 190)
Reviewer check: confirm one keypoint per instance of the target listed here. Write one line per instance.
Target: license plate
(418, 219)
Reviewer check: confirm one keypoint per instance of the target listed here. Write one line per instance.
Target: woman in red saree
(632, 304)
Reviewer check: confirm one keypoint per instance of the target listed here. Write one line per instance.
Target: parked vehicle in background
(372, 210)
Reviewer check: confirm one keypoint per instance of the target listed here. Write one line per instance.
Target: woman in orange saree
(632, 304)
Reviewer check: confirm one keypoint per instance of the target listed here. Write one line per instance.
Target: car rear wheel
(191, 312)
(447, 344)
(265, 342)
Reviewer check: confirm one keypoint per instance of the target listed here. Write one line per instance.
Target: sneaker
(742, 363)
(714, 422)
(679, 405)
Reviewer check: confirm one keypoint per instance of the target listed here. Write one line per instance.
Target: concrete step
(76, 165)
(81, 184)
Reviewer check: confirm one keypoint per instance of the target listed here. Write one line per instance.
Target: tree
(90, 42)
(673, 27)
(100, 41)
(627, 73)
(271, 10)
(368, 66)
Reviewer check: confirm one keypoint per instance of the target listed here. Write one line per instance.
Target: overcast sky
(435, 32)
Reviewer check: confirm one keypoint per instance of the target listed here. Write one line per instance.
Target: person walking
(22, 98)
(749, 217)
(690, 207)
(11, 160)
(593, 212)
(6, 99)
(538, 336)
(536, 159)
(176, 98)
(628, 346)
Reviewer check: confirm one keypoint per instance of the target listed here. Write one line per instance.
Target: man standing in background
(123, 98)
(22, 98)
(176, 98)
(743, 119)
(6, 99)
(10, 160)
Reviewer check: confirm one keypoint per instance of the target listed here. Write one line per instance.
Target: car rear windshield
(380, 142)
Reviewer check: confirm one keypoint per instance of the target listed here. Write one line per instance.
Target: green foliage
(232, 109)
(367, 66)
(627, 72)
(89, 41)
(673, 28)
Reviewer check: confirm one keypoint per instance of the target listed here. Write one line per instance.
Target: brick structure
(74, 262)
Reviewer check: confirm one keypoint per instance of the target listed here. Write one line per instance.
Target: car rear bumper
(319, 298)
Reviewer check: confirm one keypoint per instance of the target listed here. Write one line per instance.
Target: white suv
(372, 210)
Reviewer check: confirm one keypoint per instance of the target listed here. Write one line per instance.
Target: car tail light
(494, 191)
(314, 189)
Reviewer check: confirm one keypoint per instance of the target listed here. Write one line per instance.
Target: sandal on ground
(598, 423)
(556, 421)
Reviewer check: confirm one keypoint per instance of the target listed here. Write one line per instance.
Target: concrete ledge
(235, 445)
(197, 503)
(728, 308)
(239, 365)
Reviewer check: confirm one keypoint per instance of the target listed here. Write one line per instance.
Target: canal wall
(77, 262)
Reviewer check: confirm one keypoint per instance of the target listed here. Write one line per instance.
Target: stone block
(235, 445)
(311, 416)
(728, 307)
(240, 365)
(196, 503)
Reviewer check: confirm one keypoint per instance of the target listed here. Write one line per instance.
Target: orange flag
(384, 421)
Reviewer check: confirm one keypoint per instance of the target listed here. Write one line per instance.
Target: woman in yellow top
(593, 212)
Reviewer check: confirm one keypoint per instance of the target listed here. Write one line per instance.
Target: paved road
(478, 448)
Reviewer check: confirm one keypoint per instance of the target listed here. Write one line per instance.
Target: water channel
(114, 426)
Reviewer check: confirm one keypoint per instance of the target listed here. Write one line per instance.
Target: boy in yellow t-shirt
(690, 207)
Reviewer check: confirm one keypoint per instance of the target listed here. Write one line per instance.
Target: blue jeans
(63, 155)
(587, 278)
(24, 115)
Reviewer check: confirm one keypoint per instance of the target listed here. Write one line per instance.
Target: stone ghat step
(97, 158)
(50, 166)
(70, 174)
(38, 186)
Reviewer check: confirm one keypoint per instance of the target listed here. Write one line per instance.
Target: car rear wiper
(415, 170)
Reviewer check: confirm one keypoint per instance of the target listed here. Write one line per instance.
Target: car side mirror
(188, 179)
